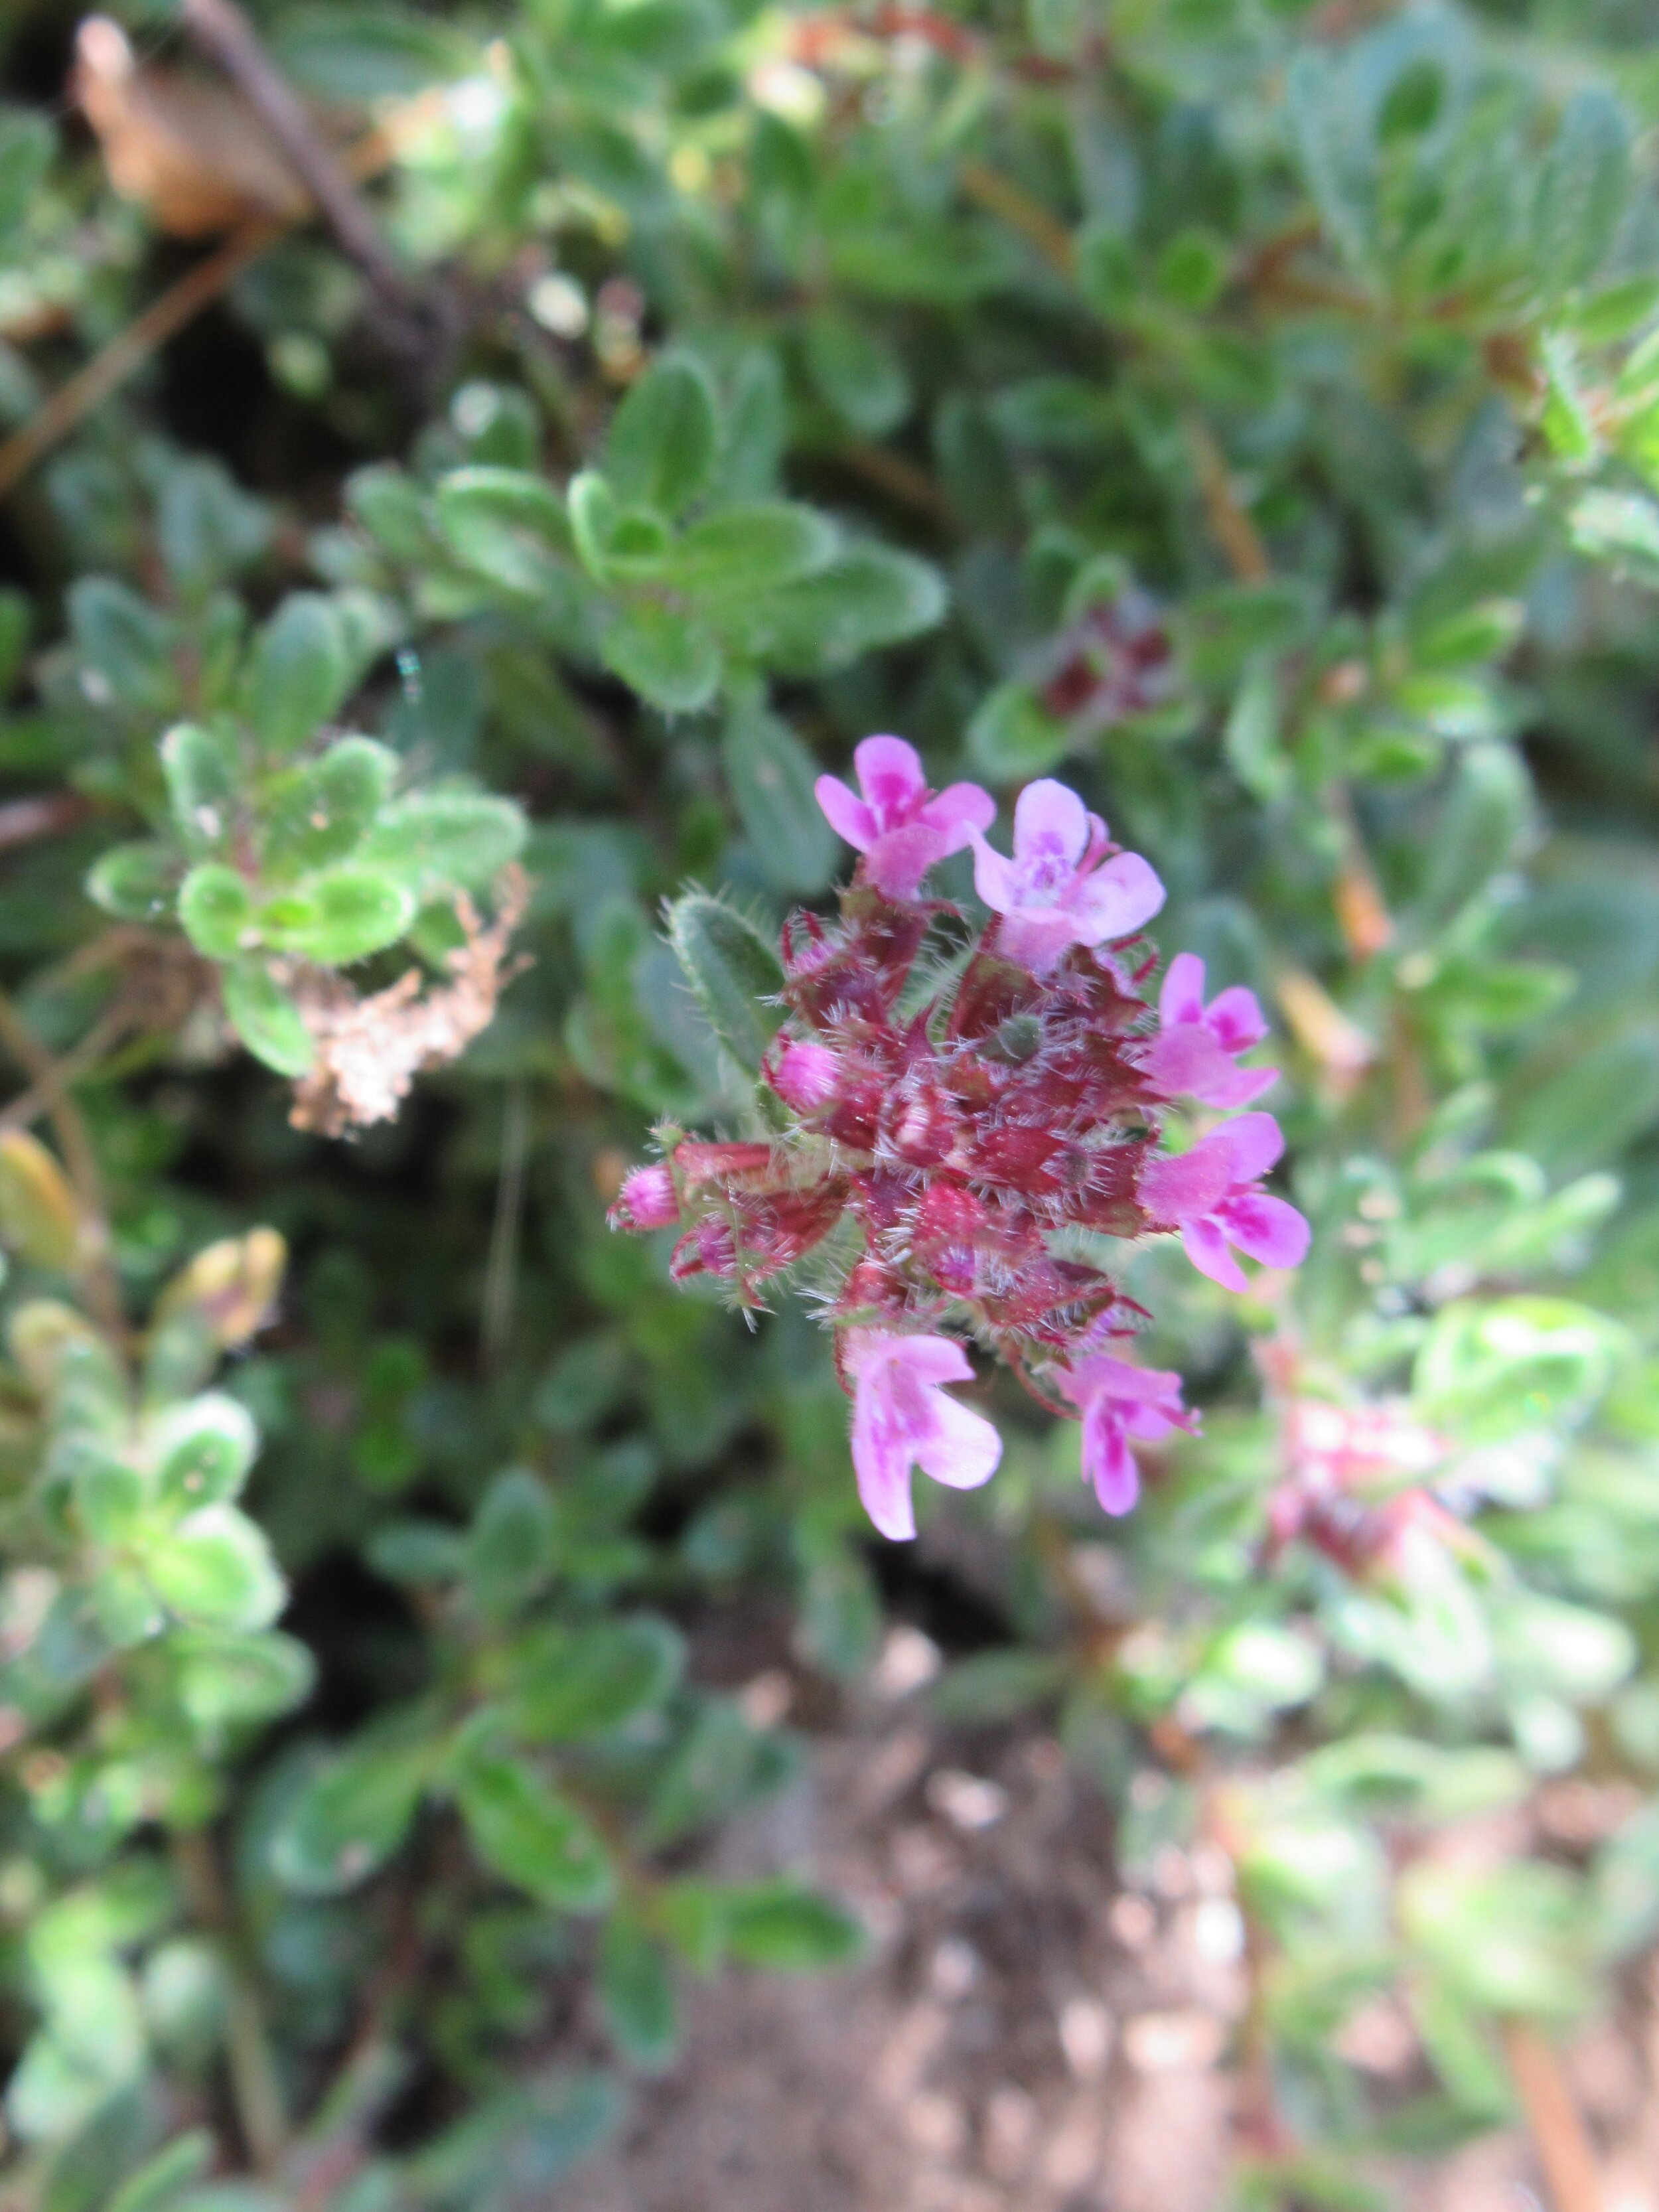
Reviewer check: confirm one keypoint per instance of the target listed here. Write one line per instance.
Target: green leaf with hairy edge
(1566, 1650)
(524, 1832)
(732, 971)
(1620, 527)
(1503, 1365)
(316, 813)
(1013, 735)
(235, 1681)
(856, 372)
(445, 841)
(202, 775)
(125, 647)
(266, 1018)
(215, 1568)
(342, 915)
(512, 2148)
(509, 1547)
(157, 2183)
(867, 597)
(1483, 632)
(16, 620)
(1482, 824)
(1581, 190)
(27, 142)
(215, 910)
(356, 55)
(109, 1498)
(771, 775)
(998, 1685)
(748, 549)
(394, 511)
(669, 658)
(136, 882)
(41, 1218)
(661, 449)
(203, 1451)
(790, 1929)
(637, 1994)
(1583, 1111)
(1617, 311)
(348, 1818)
(690, 1914)
(509, 525)
(563, 1685)
(301, 670)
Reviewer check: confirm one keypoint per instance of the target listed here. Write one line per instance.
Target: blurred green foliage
(805, 373)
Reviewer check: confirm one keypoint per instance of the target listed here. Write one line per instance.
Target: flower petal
(1037, 936)
(963, 1448)
(846, 813)
(1256, 1141)
(1109, 1465)
(1236, 1019)
(883, 1443)
(996, 879)
(1190, 1186)
(891, 777)
(1122, 896)
(1049, 818)
(1181, 999)
(957, 811)
(932, 1360)
(898, 859)
(1207, 1247)
(1267, 1229)
(1186, 1062)
(1242, 1088)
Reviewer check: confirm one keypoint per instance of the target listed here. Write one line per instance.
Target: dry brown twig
(1559, 2134)
(161, 152)
(370, 1050)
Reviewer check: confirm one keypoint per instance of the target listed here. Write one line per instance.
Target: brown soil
(1028, 2032)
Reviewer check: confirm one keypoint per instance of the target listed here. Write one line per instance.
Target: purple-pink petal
(1109, 1465)
(957, 811)
(1181, 999)
(997, 880)
(1267, 1229)
(890, 775)
(1255, 1142)
(897, 859)
(902, 1416)
(1192, 1184)
(962, 1448)
(1207, 1247)
(1236, 1017)
(1051, 830)
(1120, 897)
(846, 813)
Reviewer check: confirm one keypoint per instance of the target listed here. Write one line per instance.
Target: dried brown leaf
(370, 1050)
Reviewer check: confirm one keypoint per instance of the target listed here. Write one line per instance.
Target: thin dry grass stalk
(370, 1050)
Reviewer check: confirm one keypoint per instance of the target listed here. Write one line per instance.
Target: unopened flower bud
(804, 1075)
(707, 1249)
(646, 1200)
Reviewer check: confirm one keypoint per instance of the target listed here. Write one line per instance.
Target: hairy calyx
(1022, 1097)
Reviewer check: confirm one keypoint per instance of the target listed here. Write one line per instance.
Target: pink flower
(899, 825)
(646, 1200)
(1059, 889)
(1117, 1401)
(1209, 1194)
(1193, 1055)
(902, 1416)
(802, 1075)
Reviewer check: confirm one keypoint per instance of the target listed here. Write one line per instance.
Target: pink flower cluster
(959, 1129)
